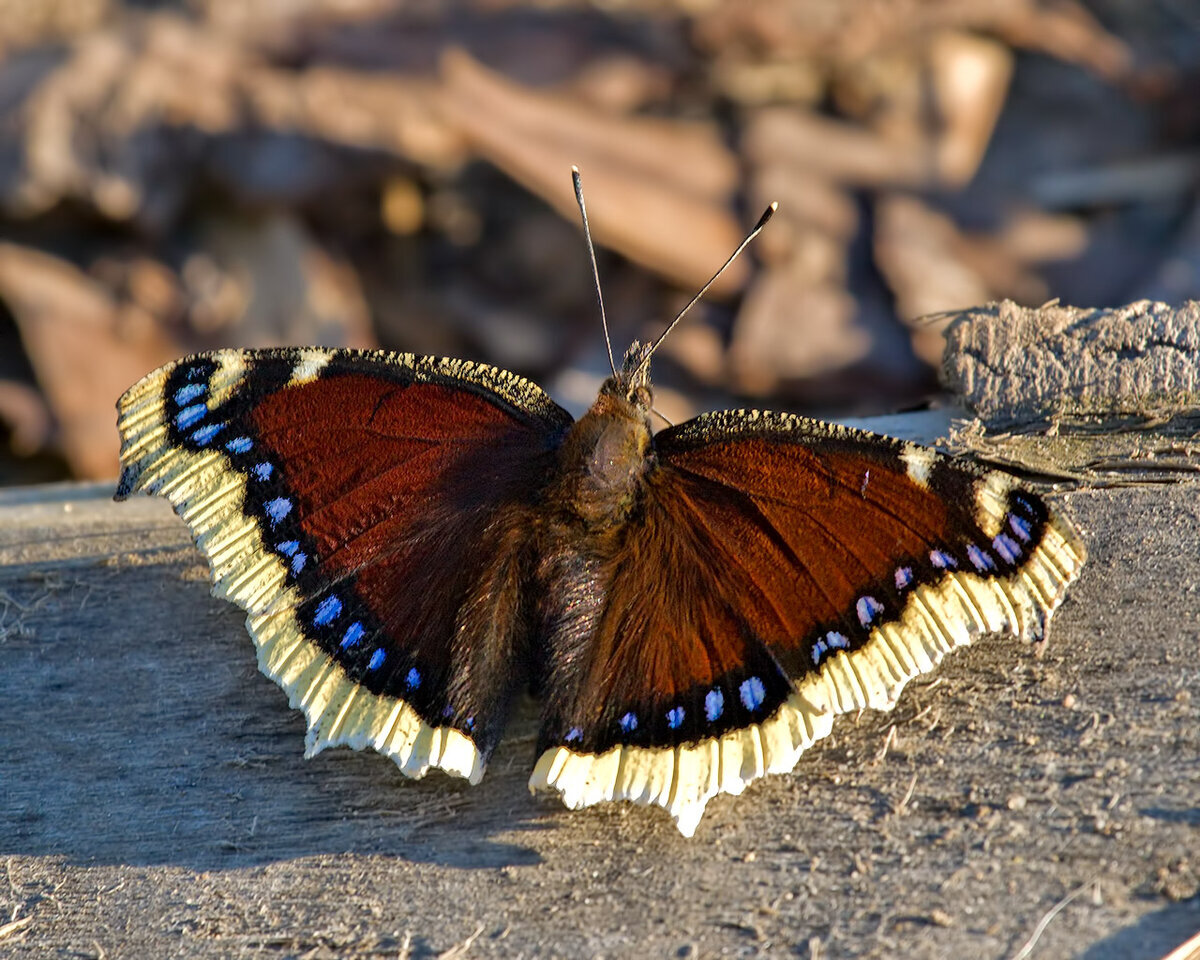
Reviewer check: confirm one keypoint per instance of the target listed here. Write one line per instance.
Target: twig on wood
(887, 742)
(459, 950)
(1027, 948)
(902, 806)
(14, 926)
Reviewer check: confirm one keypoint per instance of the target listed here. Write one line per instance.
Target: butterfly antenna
(587, 235)
(757, 229)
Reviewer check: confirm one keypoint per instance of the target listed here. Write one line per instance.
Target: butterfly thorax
(605, 458)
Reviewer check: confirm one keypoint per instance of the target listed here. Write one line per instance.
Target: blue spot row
(327, 611)
(353, 634)
(186, 394)
(833, 640)
(981, 560)
(1020, 527)
(1007, 547)
(413, 679)
(942, 560)
(190, 416)
(377, 659)
(753, 693)
(192, 413)
(868, 608)
(291, 548)
(277, 509)
(205, 434)
(574, 735)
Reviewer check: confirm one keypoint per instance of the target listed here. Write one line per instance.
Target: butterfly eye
(642, 397)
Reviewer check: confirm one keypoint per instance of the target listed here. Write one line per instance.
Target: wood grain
(154, 800)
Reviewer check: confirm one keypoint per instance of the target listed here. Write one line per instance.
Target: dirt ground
(154, 800)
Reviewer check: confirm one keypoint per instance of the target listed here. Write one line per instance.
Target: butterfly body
(417, 540)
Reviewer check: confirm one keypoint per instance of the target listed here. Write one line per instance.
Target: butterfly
(417, 540)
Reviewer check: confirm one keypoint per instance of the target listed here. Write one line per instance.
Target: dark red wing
(781, 571)
(670, 658)
(828, 531)
(370, 512)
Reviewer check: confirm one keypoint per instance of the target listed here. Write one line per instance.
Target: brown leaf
(969, 76)
(833, 149)
(931, 267)
(916, 251)
(237, 16)
(85, 350)
(658, 191)
(359, 109)
(28, 418)
(264, 281)
(840, 34)
(790, 328)
(24, 24)
(805, 199)
(99, 127)
(1066, 30)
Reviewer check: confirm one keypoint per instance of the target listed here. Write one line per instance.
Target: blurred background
(179, 176)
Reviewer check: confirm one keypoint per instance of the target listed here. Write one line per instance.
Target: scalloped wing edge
(208, 495)
(937, 619)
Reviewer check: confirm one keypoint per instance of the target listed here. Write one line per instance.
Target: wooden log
(154, 799)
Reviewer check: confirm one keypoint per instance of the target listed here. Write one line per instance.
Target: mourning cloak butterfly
(415, 540)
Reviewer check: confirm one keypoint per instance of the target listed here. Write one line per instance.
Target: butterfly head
(632, 382)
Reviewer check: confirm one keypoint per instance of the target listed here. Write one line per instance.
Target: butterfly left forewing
(798, 568)
(370, 512)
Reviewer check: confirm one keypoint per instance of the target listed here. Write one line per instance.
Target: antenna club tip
(574, 170)
(762, 221)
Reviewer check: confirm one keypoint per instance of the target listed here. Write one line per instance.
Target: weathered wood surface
(154, 800)
(1012, 365)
